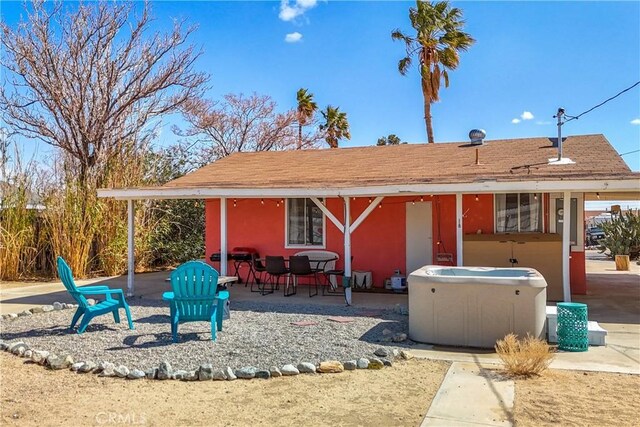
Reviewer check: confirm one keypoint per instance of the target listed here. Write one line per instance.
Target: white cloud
(291, 10)
(635, 122)
(515, 121)
(293, 37)
(526, 115)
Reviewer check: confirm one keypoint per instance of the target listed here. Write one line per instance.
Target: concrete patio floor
(613, 299)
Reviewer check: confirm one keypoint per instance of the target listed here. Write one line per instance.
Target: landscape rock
(381, 352)
(57, 306)
(387, 362)
(165, 371)
(406, 355)
(3, 346)
(191, 376)
(28, 354)
(376, 364)
(121, 371)
(205, 372)
(107, 369)
(263, 374)
(399, 337)
(180, 374)
(87, 367)
(306, 368)
(275, 372)
(37, 310)
(76, 366)
(395, 353)
(363, 363)
(246, 372)
(151, 373)
(330, 367)
(25, 313)
(218, 375)
(47, 308)
(59, 362)
(91, 301)
(229, 374)
(350, 365)
(288, 370)
(12, 315)
(39, 356)
(136, 374)
(18, 348)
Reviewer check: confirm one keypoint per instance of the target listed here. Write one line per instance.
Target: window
(518, 212)
(305, 223)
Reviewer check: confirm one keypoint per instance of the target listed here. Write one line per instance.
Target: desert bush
(622, 235)
(524, 357)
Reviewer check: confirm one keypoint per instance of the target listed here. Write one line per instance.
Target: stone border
(383, 357)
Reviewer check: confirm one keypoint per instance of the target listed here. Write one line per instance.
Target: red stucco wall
(377, 245)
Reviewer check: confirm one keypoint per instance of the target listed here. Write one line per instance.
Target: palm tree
(306, 110)
(335, 126)
(438, 42)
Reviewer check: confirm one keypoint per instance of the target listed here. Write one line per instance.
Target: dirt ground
(398, 396)
(573, 398)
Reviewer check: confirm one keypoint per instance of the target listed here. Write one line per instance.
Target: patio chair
(299, 266)
(195, 297)
(257, 268)
(86, 311)
(276, 268)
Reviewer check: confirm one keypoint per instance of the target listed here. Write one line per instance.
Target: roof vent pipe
(477, 136)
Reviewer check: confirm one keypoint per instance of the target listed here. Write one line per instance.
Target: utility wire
(602, 103)
(630, 152)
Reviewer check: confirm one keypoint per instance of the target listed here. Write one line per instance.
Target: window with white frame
(518, 212)
(305, 223)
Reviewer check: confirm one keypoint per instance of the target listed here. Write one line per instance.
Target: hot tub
(475, 306)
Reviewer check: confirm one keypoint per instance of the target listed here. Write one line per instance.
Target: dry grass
(524, 357)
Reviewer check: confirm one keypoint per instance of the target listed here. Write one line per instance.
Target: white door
(419, 236)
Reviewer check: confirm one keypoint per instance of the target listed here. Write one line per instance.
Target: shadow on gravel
(377, 335)
(52, 331)
(161, 339)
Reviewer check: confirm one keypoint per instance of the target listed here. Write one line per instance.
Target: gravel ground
(258, 334)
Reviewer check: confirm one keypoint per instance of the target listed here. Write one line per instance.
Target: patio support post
(130, 247)
(347, 250)
(566, 245)
(459, 229)
(223, 236)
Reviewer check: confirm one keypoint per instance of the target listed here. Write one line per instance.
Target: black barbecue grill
(239, 255)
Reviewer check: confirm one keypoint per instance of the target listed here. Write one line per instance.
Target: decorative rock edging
(382, 357)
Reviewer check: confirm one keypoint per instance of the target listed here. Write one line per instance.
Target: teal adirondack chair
(86, 311)
(195, 297)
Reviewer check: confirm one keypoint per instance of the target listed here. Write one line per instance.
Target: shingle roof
(523, 159)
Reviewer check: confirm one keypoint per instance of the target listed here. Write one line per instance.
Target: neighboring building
(411, 205)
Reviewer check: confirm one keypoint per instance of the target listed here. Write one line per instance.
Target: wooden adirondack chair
(195, 297)
(86, 311)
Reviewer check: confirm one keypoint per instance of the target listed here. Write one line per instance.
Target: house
(488, 203)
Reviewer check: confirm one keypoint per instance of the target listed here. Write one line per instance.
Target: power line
(569, 118)
(630, 152)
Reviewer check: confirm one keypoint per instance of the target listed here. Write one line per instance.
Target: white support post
(328, 213)
(365, 213)
(566, 245)
(347, 250)
(130, 247)
(223, 236)
(459, 229)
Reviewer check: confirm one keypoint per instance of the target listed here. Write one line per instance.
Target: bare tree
(239, 123)
(90, 78)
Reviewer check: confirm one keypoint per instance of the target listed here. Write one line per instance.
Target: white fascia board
(620, 185)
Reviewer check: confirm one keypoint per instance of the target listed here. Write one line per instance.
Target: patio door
(419, 239)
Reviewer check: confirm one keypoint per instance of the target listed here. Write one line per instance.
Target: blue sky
(529, 57)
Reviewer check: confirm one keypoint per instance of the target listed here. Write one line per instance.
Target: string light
(380, 205)
(413, 202)
(235, 203)
(535, 196)
(278, 204)
(262, 201)
(598, 196)
(422, 198)
(282, 201)
(369, 199)
(477, 198)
